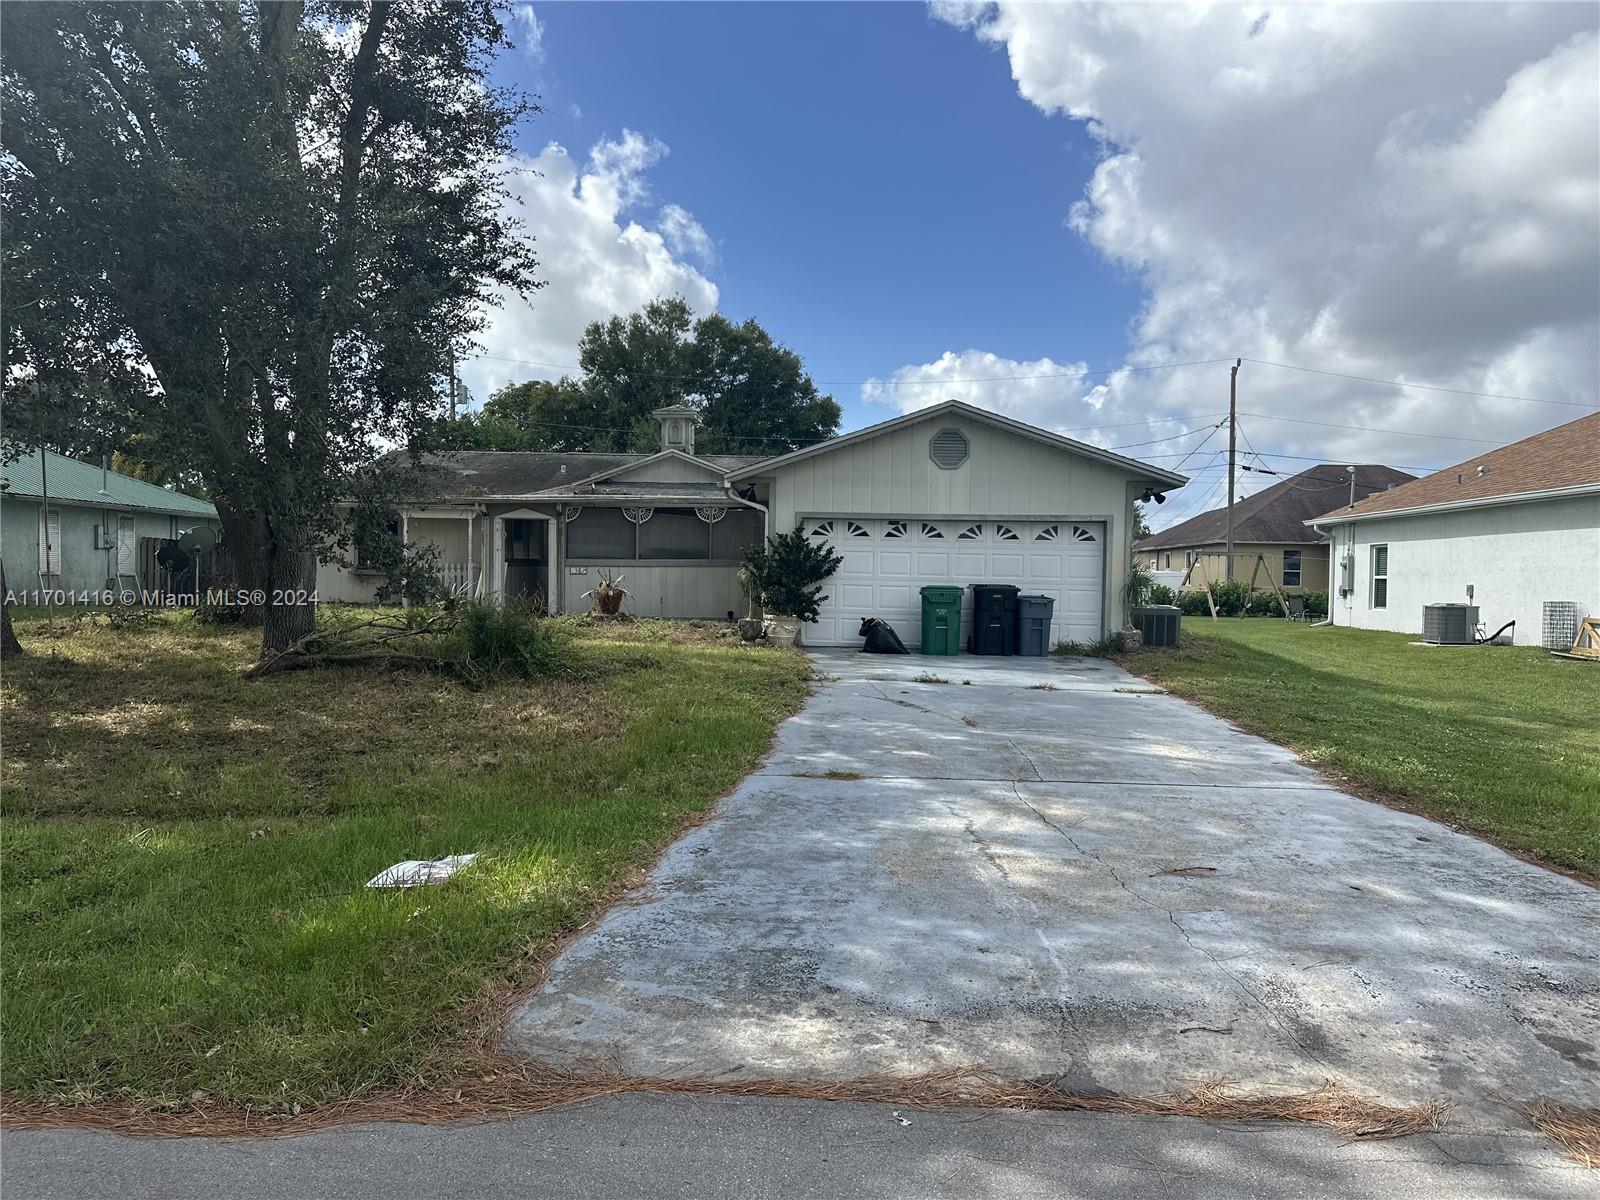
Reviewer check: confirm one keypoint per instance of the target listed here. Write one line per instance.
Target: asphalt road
(690, 1148)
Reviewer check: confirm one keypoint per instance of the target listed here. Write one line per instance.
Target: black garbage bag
(881, 637)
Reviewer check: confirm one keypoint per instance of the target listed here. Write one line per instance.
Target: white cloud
(531, 37)
(1399, 191)
(596, 259)
(685, 236)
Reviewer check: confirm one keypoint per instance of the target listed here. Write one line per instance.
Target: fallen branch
(370, 641)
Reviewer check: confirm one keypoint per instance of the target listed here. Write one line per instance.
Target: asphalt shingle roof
(1563, 457)
(523, 472)
(74, 482)
(1279, 513)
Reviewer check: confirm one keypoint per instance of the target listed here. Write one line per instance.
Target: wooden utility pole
(453, 388)
(1233, 442)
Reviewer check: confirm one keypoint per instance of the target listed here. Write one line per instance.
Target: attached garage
(957, 495)
(887, 561)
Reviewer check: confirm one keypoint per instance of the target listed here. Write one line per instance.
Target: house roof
(74, 482)
(1279, 513)
(1565, 459)
(526, 472)
(1021, 428)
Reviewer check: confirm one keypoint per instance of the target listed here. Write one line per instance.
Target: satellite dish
(199, 540)
(171, 558)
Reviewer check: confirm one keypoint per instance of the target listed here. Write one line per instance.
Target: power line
(1337, 462)
(1421, 387)
(1446, 437)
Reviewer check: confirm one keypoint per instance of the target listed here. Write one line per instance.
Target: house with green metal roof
(99, 530)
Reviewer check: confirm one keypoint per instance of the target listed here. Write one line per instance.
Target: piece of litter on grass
(416, 872)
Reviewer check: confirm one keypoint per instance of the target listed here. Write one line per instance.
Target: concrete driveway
(1043, 868)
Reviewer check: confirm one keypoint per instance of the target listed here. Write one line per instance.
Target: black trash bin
(1033, 624)
(994, 618)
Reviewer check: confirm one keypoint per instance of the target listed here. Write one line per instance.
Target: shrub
(1263, 604)
(1193, 604)
(1140, 582)
(784, 574)
(1104, 648)
(1230, 596)
(1316, 602)
(507, 640)
(1162, 594)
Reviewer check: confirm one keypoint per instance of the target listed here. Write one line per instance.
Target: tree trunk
(290, 614)
(9, 646)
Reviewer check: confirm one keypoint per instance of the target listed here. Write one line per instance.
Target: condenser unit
(1452, 624)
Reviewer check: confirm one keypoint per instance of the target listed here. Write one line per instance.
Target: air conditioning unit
(1452, 624)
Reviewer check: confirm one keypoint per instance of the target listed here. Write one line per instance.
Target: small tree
(785, 573)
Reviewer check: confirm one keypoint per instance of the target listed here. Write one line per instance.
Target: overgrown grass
(185, 850)
(1500, 740)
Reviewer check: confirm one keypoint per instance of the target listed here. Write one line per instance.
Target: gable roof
(484, 473)
(74, 482)
(1279, 513)
(981, 415)
(1565, 459)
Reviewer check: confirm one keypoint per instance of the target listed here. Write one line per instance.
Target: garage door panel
(882, 573)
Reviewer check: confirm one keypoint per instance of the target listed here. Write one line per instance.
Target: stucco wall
(1516, 556)
(83, 568)
(1004, 475)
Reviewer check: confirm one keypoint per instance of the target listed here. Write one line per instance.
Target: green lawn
(185, 850)
(1503, 741)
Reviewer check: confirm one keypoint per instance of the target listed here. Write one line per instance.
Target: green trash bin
(941, 620)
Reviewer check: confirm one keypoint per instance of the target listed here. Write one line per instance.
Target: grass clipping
(500, 1091)
(1576, 1130)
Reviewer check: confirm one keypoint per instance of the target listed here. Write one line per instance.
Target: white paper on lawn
(414, 871)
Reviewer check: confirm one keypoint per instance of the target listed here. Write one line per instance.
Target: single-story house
(1269, 528)
(97, 523)
(949, 494)
(1505, 531)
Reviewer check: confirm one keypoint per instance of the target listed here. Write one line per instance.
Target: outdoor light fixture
(1151, 494)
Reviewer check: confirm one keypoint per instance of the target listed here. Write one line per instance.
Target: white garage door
(887, 562)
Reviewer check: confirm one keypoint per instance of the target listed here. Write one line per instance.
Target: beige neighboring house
(1271, 538)
(1506, 532)
(950, 494)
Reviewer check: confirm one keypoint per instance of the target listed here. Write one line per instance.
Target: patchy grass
(928, 677)
(186, 850)
(1499, 740)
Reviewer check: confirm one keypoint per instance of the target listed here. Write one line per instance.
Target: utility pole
(1233, 442)
(453, 388)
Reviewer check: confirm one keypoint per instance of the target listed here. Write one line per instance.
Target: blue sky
(984, 201)
(876, 190)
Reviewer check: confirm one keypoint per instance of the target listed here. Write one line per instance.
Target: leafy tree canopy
(253, 232)
(753, 394)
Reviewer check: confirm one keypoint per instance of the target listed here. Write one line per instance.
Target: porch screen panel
(602, 533)
(675, 533)
(738, 529)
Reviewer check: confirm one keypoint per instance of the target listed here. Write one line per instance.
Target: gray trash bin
(1033, 624)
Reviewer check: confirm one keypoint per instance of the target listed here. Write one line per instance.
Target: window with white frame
(1380, 576)
(1190, 557)
(1291, 568)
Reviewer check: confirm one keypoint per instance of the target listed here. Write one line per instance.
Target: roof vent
(948, 449)
(1482, 470)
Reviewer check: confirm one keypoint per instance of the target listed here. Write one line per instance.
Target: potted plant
(784, 575)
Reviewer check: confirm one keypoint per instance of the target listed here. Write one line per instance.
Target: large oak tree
(253, 232)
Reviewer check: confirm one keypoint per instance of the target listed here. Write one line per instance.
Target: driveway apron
(1048, 868)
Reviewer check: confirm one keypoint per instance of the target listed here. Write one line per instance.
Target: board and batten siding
(1004, 475)
(702, 590)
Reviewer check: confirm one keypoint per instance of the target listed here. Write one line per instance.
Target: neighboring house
(947, 495)
(97, 519)
(1515, 527)
(1268, 527)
